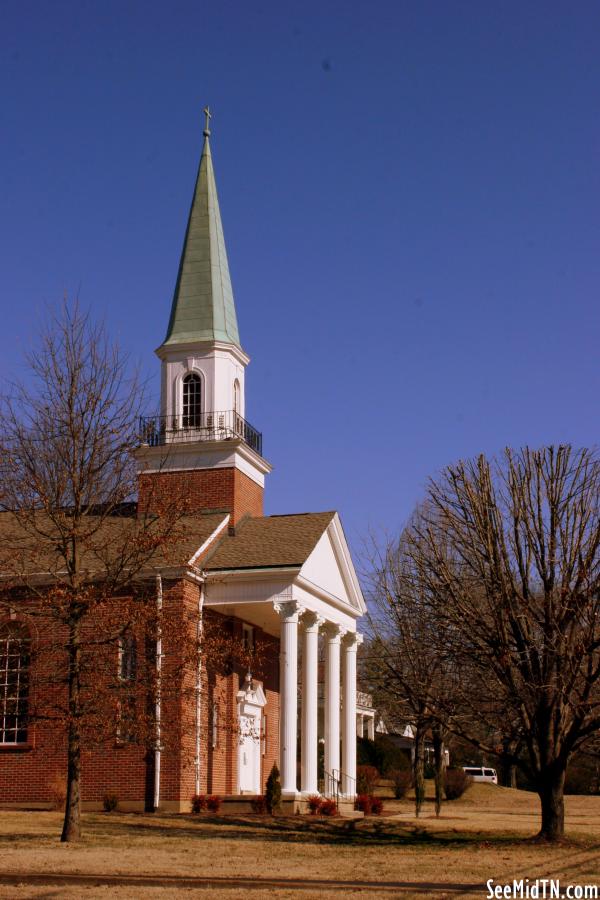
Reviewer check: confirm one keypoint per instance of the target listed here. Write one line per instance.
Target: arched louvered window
(236, 397)
(15, 647)
(192, 401)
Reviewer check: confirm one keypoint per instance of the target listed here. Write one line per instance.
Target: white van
(481, 773)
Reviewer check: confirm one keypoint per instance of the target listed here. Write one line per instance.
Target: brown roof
(28, 547)
(269, 542)
(263, 542)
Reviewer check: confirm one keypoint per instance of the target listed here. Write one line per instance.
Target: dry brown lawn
(486, 834)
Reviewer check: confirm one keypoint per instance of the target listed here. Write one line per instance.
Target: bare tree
(73, 546)
(406, 665)
(508, 552)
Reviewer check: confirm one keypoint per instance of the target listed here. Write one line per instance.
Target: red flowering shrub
(314, 804)
(363, 803)
(376, 806)
(213, 803)
(328, 808)
(198, 803)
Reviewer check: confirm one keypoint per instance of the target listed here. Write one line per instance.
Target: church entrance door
(251, 701)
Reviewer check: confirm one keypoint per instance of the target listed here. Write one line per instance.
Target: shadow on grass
(302, 830)
(134, 828)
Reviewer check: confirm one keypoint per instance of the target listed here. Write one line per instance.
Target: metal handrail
(158, 431)
(339, 785)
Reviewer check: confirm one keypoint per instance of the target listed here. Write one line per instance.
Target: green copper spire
(203, 308)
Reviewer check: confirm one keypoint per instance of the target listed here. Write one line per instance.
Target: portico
(312, 606)
(341, 644)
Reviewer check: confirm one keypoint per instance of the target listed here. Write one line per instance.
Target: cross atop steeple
(208, 115)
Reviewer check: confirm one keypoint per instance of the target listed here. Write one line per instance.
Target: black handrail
(157, 431)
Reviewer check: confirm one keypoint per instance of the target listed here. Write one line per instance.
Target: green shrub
(456, 783)
(110, 801)
(273, 790)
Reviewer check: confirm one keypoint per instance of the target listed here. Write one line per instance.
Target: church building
(286, 581)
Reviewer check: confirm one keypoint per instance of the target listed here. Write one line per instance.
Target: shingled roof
(107, 542)
(256, 543)
(269, 542)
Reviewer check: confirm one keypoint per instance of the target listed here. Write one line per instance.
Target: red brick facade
(203, 489)
(28, 772)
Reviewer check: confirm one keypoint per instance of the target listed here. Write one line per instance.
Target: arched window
(236, 397)
(15, 646)
(192, 401)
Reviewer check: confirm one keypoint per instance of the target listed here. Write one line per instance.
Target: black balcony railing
(157, 431)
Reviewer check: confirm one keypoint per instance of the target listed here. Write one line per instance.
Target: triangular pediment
(329, 568)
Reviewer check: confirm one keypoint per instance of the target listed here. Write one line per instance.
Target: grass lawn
(485, 834)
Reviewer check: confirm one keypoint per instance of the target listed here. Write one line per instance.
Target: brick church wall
(28, 773)
(202, 489)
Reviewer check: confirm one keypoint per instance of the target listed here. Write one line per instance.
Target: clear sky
(410, 194)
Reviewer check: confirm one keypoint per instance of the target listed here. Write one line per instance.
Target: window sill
(16, 748)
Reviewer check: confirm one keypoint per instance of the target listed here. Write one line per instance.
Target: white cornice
(175, 449)
(201, 348)
(326, 596)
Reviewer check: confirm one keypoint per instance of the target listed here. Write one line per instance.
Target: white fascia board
(340, 545)
(215, 534)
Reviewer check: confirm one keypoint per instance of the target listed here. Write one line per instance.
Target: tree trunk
(439, 761)
(419, 768)
(72, 822)
(551, 792)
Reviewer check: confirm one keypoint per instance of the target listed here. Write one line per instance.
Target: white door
(249, 757)
(251, 702)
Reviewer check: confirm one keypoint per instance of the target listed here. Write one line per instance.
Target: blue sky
(410, 194)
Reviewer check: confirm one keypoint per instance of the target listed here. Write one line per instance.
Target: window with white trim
(192, 401)
(15, 647)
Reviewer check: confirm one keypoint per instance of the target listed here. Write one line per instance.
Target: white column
(288, 694)
(333, 634)
(360, 725)
(371, 727)
(310, 703)
(350, 645)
